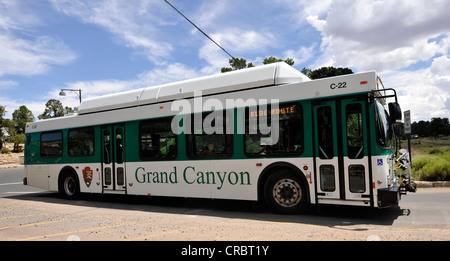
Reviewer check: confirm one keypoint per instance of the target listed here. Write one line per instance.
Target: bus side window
(106, 147)
(119, 146)
(156, 140)
(51, 144)
(325, 132)
(208, 138)
(290, 139)
(355, 142)
(81, 142)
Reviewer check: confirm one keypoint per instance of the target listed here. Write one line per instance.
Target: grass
(431, 159)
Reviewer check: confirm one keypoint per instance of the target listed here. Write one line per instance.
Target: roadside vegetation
(430, 158)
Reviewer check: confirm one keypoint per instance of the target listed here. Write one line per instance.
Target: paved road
(28, 214)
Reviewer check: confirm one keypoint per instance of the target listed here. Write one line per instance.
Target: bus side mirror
(395, 112)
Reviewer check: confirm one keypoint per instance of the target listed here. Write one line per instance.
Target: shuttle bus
(267, 133)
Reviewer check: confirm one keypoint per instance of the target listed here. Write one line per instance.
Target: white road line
(15, 183)
(20, 192)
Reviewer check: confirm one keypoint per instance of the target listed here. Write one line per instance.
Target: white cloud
(383, 35)
(316, 22)
(299, 10)
(13, 16)
(137, 24)
(364, 57)
(208, 12)
(440, 69)
(425, 92)
(23, 52)
(293, 17)
(31, 57)
(167, 74)
(236, 41)
(214, 57)
(315, 7)
(388, 22)
(301, 55)
(248, 41)
(7, 84)
(36, 107)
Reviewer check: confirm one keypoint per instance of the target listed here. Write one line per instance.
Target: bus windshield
(383, 128)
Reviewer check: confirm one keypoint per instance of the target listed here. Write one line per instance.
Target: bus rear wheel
(69, 186)
(284, 193)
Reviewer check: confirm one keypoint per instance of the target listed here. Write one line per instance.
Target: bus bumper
(388, 197)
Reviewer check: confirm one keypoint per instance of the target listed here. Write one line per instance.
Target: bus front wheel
(285, 193)
(69, 186)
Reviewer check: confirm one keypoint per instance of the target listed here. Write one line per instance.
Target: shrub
(432, 167)
(434, 151)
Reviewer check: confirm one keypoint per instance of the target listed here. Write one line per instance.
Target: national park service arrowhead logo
(87, 176)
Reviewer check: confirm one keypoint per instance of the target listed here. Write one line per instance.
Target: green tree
(21, 116)
(15, 126)
(325, 72)
(2, 127)
(241, 63)
(236, 64)
(54, 109)
(69, 110)
(272, 59)
(18, 139)
(306, 71)
(439, 126)
(10, 126)
(421, 128)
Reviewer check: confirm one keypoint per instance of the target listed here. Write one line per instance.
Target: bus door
(340, 150)
(326, 150)
(355, 150)
(113, 165)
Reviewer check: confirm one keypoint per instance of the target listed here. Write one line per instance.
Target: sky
(108, 46)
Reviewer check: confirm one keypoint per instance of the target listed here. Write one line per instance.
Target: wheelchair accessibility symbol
(379, 162)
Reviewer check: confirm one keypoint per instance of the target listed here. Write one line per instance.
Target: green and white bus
(333, 143)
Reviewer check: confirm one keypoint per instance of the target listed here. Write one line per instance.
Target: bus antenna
(199, 29)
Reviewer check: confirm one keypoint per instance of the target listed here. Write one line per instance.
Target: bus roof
(283, 82)
(271, 74)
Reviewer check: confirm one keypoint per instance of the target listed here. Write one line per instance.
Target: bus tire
(69, 186)
(285, 193)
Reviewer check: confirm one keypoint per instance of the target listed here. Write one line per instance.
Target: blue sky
(110, 46)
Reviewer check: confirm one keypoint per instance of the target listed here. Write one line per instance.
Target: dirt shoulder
(10, 160)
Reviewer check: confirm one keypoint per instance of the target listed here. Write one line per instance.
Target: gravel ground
(46, 217)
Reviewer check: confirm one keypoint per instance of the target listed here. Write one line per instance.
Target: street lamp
(78, 92)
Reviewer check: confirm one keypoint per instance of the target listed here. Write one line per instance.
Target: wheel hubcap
(69, 186)
(287, 193)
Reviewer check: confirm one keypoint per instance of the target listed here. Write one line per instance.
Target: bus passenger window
(156, 140)
(119, 146)
(51, 144)
(355, 140)
(208, 138)
(325, 132)
(81, 142)
(356, 176)
(290, 139)
(107, 147)
(327, 182)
